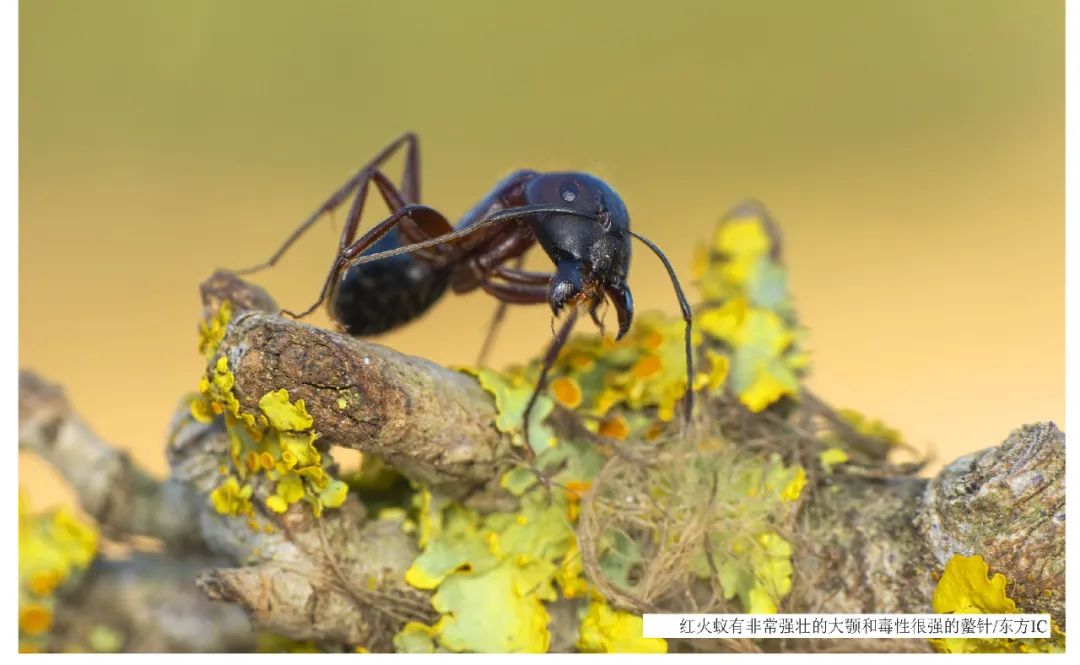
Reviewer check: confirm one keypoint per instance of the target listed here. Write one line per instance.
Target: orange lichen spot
(566, 391)
(575, 489)
(648, 366)
(653, 341)
(653, 431)
(573, 510)
(615, 428)
(581, 361)
(44, 582)
(266, 461)
(35, 619)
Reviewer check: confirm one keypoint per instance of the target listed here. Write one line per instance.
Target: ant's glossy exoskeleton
(393, 273)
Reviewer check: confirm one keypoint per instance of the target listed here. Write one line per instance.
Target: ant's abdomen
(377, 297)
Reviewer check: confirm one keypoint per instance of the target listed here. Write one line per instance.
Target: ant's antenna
(687, 317)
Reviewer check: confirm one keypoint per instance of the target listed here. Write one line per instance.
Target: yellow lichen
(285, 415)
(212, 331)
(278, 442)
(54, 547)
(605, 630)
(229, 498)
(966, 587)
(831, 457)
(509, 559)
(748, 311)
(746, 342)
(511, 394)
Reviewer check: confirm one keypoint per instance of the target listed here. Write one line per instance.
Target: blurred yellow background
(912, 151)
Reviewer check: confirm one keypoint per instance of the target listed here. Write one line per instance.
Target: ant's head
(591, 249)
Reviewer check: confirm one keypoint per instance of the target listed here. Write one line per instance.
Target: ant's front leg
(550, 356)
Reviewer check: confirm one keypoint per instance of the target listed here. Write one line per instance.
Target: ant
(396, 271)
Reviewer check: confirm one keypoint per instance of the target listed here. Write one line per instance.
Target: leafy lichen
(606, 630)
(748, 310)
(511, 560)
(966, 587)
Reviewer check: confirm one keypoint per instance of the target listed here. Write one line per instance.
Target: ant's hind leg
(426, 220)
(428, 223)
(410, 190)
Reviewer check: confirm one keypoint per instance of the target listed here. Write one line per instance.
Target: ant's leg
(427, 220)
(489, 338)
(410, 187)
(433, 225)
(549, 361)
(518, 294)
(395, 200)
(410, 179)
(517, 276)
(594, 308)
(496, 321)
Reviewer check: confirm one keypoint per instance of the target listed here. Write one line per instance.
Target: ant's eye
(568, 193)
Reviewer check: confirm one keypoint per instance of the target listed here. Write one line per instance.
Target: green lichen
(751, 498)
(511, 560)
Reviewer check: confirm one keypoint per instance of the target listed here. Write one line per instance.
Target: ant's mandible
(393, 273)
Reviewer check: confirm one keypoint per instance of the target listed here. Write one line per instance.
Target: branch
(867, 544)
(874, 545)
(433, 424)
(151, 604)
(329, 580)
(110, 487)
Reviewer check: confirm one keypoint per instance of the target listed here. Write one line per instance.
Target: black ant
(393, 273)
